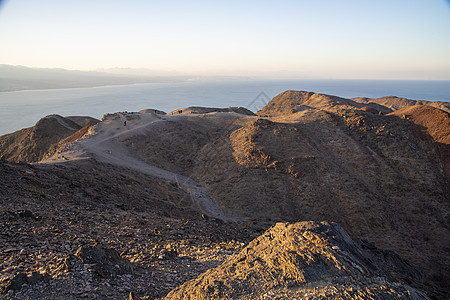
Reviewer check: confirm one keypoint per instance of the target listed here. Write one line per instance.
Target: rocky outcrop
(308, 260)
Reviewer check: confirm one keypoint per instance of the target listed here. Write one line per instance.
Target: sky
(371, 39)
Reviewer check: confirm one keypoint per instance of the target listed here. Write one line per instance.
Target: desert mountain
(306, 260)
(43, 139)
(396, 103)
(290, 102)
(377, 175)
(379, 170)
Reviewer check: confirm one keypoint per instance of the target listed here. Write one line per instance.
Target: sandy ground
(105, 144)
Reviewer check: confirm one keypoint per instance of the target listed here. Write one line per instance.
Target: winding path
(105, 144)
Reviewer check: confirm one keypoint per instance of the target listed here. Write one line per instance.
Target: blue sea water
(21, 109)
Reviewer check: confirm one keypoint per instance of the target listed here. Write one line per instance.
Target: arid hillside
(318, 157)
(396, 103)
(43, 139)
(433, 123)
(377, 167)
(292, 101)
(90, 230)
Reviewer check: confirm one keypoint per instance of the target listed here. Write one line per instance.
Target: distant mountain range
(16, 78)
(13, 78)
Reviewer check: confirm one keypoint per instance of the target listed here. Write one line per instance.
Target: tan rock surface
(306, 260)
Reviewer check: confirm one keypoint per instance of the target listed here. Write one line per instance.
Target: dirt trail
(105, 144)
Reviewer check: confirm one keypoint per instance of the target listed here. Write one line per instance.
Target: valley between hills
(313, 197)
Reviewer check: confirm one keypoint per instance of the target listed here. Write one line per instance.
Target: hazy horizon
(284, 39)
(144, 72)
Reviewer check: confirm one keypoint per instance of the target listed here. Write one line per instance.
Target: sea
(20, 109)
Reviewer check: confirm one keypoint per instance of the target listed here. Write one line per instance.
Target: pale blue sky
(389, 39)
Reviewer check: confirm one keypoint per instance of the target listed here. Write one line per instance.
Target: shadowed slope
(32, 144)
(41, 141)
(434, 123)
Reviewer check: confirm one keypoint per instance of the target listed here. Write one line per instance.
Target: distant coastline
(75, 88)
(20, 109)
(20, 78)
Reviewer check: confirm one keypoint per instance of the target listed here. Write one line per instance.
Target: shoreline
(32, 105)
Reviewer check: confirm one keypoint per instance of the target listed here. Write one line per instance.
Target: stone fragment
(107, 261)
